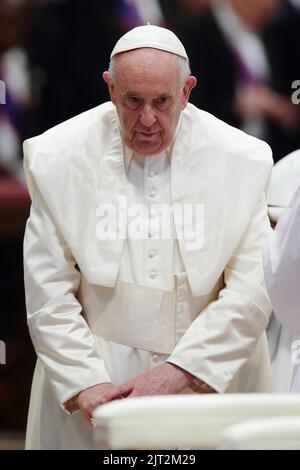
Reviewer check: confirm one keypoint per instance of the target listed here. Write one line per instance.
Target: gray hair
(183, 64)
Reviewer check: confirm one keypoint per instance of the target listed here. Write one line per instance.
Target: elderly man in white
(121, 315)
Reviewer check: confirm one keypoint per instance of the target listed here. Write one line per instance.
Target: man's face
(149, 93)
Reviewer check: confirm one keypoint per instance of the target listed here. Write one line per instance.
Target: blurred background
(245, 54)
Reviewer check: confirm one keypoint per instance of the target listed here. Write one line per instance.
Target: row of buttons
(152, 193)
(152, 253)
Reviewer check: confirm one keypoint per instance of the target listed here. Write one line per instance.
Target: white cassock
(282, 274)
(104, 310)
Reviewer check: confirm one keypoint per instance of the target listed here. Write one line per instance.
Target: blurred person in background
(179, 12)
(245, 55)
(14, 72)
(15, 125)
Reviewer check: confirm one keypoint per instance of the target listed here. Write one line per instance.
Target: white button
(153, 194)
(153, 274)
(151, 254)
(152, 173)
(155, 357)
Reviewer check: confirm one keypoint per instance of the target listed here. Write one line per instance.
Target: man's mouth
(146, 134)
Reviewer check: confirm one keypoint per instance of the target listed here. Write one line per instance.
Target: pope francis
(142, 253)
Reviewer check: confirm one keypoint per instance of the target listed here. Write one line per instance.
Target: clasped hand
(165, 379)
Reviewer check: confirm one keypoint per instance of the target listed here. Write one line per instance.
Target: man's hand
(165, 379)
(92, 397)
(261, 101)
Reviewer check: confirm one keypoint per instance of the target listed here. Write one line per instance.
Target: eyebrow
(131, 93)
(163, 95)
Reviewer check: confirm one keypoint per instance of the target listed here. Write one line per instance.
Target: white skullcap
(150, 36)
(285, 179)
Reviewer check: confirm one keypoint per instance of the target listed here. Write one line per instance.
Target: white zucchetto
(150, 36)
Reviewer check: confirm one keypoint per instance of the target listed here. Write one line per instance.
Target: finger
(117, 393)
(87, 409)
(92, 422)
(86, 415)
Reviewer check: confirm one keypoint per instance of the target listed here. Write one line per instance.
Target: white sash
(142, 317)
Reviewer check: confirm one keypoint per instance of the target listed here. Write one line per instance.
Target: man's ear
(111, 86)
(190, 83)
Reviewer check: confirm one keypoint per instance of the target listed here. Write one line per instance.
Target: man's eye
(162, 102)
(133, 101)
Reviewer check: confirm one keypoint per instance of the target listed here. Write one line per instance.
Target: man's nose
(147, 117)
